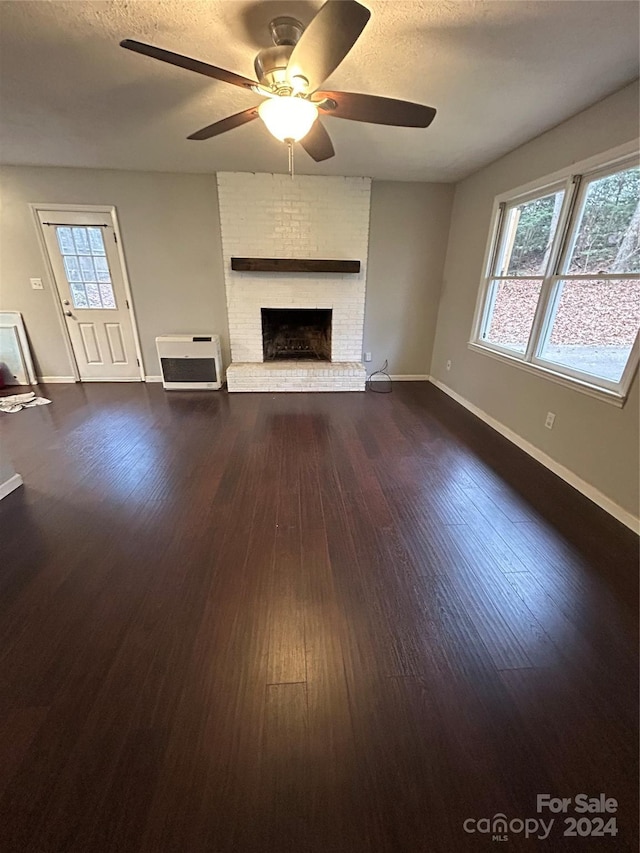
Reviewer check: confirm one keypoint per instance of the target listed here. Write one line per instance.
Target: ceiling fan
(290, 74)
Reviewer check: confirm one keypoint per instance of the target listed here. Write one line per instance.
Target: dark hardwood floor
(304, 622)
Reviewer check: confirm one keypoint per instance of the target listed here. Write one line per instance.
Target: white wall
(595, 440)
(407, 247)
(171, 240)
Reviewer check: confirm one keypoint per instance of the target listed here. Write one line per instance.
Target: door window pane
(93, 295)
(81, 240)
(106, 292)
(72, 268)
(528, 232)
(608, 235)
(79, 296)
(86, 268)
(102, 269)
(95, 241)
(512, 307)
(65, 241)
(594, 325)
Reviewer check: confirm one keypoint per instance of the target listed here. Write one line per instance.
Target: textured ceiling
(499, 73)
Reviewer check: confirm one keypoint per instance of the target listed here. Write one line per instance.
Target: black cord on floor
(387, 386)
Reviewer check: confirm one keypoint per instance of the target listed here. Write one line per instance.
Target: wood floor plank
(285, 778)
(285, 605)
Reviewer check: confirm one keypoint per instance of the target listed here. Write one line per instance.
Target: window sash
(497, 261)
(562, 242)
(547, 329)
(489, 301)
(582, 188)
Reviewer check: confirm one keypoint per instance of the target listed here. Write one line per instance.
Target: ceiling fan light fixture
(288, 117)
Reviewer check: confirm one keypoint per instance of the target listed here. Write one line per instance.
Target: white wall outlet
(449, 364)
(36, 283)
(551, 416)
(367, 356)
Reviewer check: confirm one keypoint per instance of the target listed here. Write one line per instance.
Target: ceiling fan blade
(326, 41)
(375, 109)
(225, 124)
(188, 63)
(317, 143)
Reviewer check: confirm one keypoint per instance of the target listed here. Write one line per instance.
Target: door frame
(109, 210)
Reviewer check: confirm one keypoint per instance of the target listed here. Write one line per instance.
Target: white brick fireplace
(272, 216)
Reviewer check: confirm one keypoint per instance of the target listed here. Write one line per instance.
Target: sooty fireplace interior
(296, 333)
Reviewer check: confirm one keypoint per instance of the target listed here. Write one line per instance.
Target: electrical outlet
(550, 420)
(367, 356)
(449, 365)
(36, 283)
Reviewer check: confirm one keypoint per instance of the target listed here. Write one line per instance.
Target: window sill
(607, 396)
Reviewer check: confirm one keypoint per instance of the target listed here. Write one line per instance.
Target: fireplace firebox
(296, 333)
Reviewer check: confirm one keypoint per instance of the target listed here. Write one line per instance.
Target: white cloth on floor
(16, 402)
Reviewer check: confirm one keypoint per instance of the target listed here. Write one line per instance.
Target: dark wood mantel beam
(294, 265)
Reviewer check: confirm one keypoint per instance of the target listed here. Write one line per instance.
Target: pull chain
(290, 146)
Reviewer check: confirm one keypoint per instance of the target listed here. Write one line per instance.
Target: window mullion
(489, 301)
(557, 248)
(497, 250)
(540, 316)
(569, 229)
(543, 321)
(484, 305)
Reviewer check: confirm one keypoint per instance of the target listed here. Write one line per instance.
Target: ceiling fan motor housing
(271, 63)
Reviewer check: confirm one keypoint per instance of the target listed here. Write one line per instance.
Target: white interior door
(90, 283)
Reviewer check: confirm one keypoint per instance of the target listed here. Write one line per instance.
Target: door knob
(68, 313)
(66, 302)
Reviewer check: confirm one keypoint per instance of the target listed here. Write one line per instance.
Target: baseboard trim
(153, 378)
(401, 377)
(10, 485)
(112, 379)
(589, 491)
(55, 379)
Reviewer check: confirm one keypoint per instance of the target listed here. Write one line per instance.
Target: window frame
(575, 181)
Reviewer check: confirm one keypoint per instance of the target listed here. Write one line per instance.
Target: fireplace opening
(296, 333)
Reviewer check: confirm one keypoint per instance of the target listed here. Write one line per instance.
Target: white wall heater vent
(190, 362)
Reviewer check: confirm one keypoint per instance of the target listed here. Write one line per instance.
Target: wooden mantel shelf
(294, 265)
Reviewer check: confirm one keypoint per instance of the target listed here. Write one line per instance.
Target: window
(562, 289)
(85, 266)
